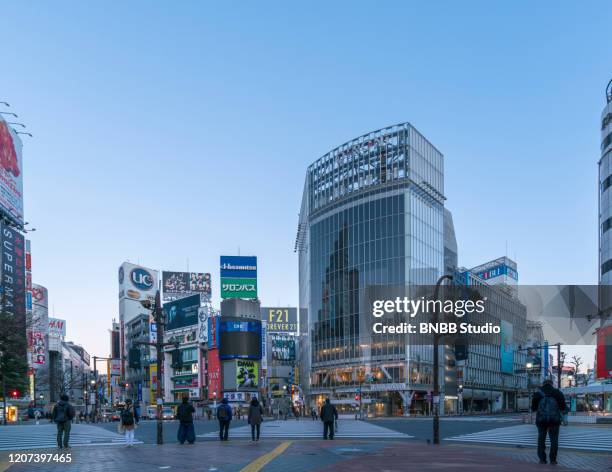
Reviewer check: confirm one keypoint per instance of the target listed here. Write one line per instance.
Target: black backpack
(61, 413)
(548, 410)
(222, 413)
(127, 417)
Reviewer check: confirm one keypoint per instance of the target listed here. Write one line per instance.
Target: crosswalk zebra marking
(571, 437)
(313, 430)
(44, 436)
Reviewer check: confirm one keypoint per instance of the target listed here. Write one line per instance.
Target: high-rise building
(605, 195)
(372, 214)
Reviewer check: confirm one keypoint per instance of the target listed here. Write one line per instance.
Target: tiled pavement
(337, 455)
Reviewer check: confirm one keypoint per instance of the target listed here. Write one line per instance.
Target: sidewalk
(297, 456)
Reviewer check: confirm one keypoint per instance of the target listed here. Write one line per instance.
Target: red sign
(604, 352)
(214, 375)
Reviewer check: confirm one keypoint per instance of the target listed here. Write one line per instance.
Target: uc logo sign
(141, 279)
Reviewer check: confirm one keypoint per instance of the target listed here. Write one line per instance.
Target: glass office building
(372, 214)
(605, 200)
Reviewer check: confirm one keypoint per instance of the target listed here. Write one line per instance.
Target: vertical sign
(507, 348)
(13, 286)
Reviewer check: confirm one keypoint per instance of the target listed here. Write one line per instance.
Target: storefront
(595, 398)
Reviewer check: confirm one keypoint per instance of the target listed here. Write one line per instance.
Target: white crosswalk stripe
(498, 419)
(571, 437)
(16, 438)
(312, 430)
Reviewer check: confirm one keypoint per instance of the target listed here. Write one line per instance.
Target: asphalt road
(147, 429)
(422, 429)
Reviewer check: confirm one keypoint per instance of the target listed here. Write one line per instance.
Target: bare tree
(576, 361)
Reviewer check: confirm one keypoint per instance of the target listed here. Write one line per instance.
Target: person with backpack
(255, 418)
(128, 423)
(549, 405)
(328, 415)
(184, 414)
(62, 415)
(224, 415)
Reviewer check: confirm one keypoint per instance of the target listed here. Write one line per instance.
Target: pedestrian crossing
(22, 437)
(570, 437)
(475, 419)
(308, 429)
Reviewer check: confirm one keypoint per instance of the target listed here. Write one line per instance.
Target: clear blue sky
(169, 131)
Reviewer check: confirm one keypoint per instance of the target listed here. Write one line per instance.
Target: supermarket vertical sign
(238, 276)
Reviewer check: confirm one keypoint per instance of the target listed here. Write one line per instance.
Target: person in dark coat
(255, 418)
(224, 415)
(549, 405)
(184, 414)
(62, 415)
(328, 415)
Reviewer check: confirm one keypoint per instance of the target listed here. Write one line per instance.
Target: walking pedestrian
(224, 415)
(255, 418)
(184, 414)
(128, 423)
(62, 415)
(328, 415)
(549, 405)
(313, 413)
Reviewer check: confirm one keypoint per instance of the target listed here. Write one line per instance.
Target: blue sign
(507, 348)
(141, 278)
(239, 267)
(240, 326)
(498, 271)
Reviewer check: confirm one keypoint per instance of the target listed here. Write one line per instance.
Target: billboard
(182, 312)
(40, 308)
(238, 288)
(180, 284)
(238, 276)
(11, 174)
(242, 267)
(507, 348)
(280, 319)
(57, 327)
(239, 338)
(283, 348)
(604, 352)
(213, 332)
(247, 374)
(202, 325)
(137, 282)
(214, 374)
(13, 287)
(39, 351)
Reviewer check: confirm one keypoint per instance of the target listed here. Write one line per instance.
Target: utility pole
(159, 344)
(436, 373)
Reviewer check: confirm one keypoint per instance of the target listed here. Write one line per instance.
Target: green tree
(13, 355)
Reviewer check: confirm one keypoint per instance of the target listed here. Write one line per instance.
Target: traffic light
(461, 351)
(134, 358)
(15, 393)
(177, 359)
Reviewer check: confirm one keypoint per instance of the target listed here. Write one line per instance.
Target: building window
(606, 266)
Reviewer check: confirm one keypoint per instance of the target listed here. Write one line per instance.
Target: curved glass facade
(372, 214)
(605, 202)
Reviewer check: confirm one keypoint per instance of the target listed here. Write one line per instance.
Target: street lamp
(529, 365)
(436, 380)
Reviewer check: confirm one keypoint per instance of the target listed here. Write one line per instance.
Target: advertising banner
(507, 348)
(137, 282)
(238, 288)
(153, 383)
(11, 173)
(264, 342)
(115, 367)
(239, 267)
(280, 319)
(203, 325)
(180, 284)
(604, 352)
(182, 312)
(214, 374)
(213, 332)
(239, 339)
(247, 374)
(39, 352)
(40, 308)
(13, 286)
(283, 348)
(57, 327)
